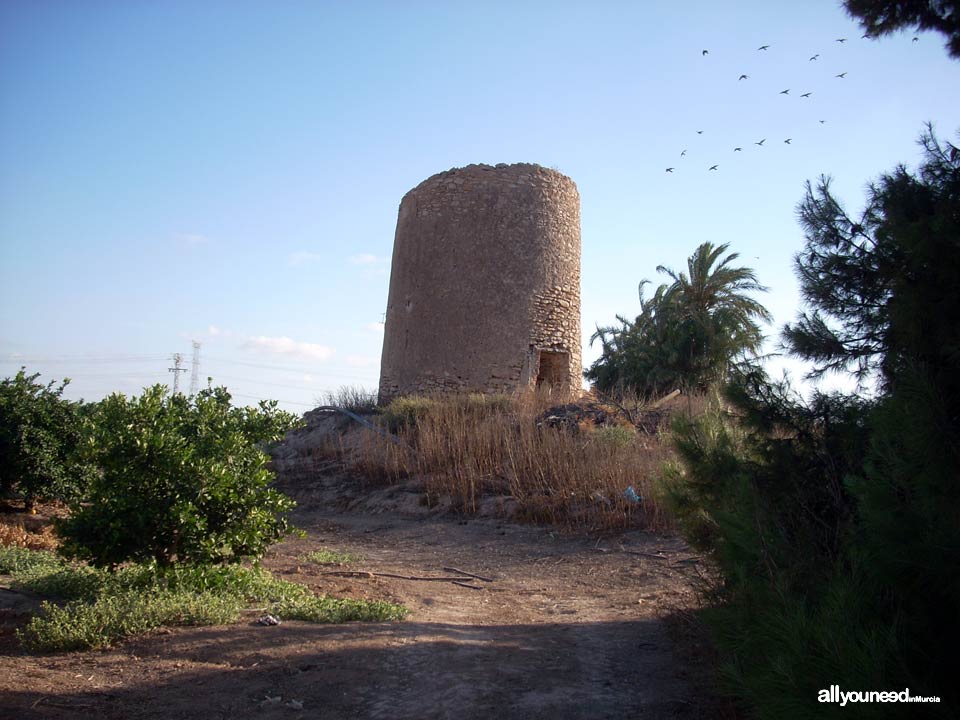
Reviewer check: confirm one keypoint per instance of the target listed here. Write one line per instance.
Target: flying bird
(865, 36)
(823, 122)
(806, 95)
(743, 77)
(841, 75)
(763, 47)
(815, 56)
(705, 52)
(699, 132)
(669, 169)
(785, 92)
(713, 167)
(841, 40)
(916, 39)
(761, 142)
(787, 141)
(738, 149)
(682, 153)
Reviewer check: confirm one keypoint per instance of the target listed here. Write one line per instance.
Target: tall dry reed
(463, 448)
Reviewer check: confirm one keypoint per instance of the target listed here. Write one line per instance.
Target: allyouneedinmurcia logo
(835, 695)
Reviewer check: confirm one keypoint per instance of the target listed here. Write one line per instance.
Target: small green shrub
(181, 480)
(331, 557)
(337, 610)
(616, 436)
(404, 412)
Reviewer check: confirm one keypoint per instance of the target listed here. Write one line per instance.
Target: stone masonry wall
(485, 278)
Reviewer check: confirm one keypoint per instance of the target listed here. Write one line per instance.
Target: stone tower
(485, 284)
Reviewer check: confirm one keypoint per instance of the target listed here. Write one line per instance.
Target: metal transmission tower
(176, 370)
(195, 371)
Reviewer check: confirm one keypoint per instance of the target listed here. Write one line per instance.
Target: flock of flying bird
(805, 95)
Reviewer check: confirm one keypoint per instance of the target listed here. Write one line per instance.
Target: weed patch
(93, 608)
(331, 557)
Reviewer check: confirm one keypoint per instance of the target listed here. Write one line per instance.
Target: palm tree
(715, 322)
(689, 333)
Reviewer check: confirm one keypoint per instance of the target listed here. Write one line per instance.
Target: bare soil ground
(569, 627)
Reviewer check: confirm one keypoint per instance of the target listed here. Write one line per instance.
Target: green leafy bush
(39, 435)
(181, 480)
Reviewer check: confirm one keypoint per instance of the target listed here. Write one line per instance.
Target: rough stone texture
(485, 284)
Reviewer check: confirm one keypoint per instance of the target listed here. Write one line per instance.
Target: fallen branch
(462, 572)
(466, 585)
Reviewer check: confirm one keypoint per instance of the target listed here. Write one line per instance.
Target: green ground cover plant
(91, 607)
(325, 556)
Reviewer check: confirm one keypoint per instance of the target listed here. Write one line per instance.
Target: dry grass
(34, 531)
(463, 448)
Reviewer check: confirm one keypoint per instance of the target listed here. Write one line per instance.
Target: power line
(288, 402)
(262, 382)
(287, 368)
(79, 359)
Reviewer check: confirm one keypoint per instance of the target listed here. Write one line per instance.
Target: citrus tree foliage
(181, 479)
(689, 333)
(39, 435)
(836, 521)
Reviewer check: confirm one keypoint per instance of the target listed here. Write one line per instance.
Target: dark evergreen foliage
(836, 522)
(882, 17)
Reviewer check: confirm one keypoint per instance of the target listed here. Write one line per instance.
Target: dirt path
(569, 628)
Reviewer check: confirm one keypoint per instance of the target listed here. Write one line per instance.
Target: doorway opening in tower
(553, 369)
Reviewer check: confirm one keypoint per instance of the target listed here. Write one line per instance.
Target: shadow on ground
(410, 670)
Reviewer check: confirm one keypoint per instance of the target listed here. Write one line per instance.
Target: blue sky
(230, 172)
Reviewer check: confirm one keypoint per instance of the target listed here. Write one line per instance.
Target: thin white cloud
(287, 346)
(374, 327)
(211, 332)
(305, 257)
(367, 259)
